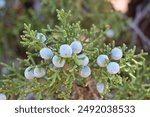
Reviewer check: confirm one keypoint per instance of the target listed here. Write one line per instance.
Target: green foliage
(88, 12)
(139, 89)
(58, 82)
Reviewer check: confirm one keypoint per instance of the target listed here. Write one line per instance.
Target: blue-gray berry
(113, 68)
(83, 60)
(41, 36)
(28, 73)
(109, 33)
(85, 71)
(100, 87)
(58, 62)
(3, 96)
(116, 53)
(39, 72)
(46, 53)
(2, 3)
(102, 60)
(30, 96)
(76, 47)
(65, 51)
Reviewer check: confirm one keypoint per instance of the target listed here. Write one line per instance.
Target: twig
(138, 31)
(134, 25)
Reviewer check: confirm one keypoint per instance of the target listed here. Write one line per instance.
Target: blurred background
(125, 21)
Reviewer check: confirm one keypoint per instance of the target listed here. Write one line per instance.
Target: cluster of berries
(29, 72)
(112, 67)
(65, 51)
